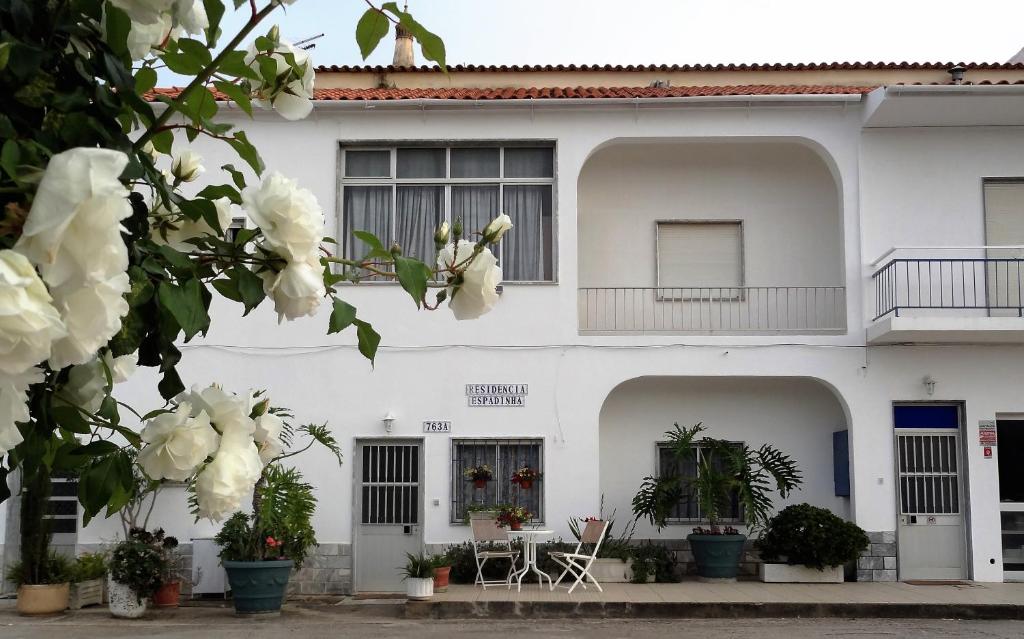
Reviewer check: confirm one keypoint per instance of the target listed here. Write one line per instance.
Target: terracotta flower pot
(167, 595)
(42, 599)
(480, 483)
(526, 484)
(515, 525)
(441, 575)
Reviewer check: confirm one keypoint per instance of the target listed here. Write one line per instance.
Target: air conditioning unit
(208, 576)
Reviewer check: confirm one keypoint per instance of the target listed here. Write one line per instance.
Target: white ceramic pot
(419, 589)
(123, 601)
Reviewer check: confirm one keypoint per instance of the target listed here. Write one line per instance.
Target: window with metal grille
(390, 484)
(62, 507)
(505, 457)
(929, 481)
(403, 193)
(688, 509)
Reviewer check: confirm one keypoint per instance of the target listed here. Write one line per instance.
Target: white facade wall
(532, 336)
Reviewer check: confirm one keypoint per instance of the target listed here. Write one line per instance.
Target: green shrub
(417, 567)
(461, 558)
(812, 536)
(138, 565)
(54, 568)
(653, 559)
(89, 566)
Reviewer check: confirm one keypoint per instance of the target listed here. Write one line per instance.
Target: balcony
(709, 310)
(956, 299)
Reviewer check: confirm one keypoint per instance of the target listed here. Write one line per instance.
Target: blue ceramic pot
(717, 556)
(258, 587)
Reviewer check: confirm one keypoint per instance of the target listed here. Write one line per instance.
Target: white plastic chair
(486, 535)
(578, 563)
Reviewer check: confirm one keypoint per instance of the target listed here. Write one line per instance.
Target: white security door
(931, 535)
(389, 510)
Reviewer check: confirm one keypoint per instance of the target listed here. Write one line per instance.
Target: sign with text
(496, 394)
(987, 432)
(443, 426)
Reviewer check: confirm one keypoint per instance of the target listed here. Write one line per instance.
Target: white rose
(268, 436)
(290, 217)
(293, 101)
(73, 229)
(187, 165)
(92, 315)
(480, 278)
(229, 479)
(497, 227)
(143, 37)
(175, 233)
(86, 386)
(229, 413)
(121, 368)
(29, 323)
(14, 405)
(191, 15)
(177, 444)
(296, 290)
(144, 10)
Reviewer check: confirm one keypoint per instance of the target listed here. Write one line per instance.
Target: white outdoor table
(530, 536)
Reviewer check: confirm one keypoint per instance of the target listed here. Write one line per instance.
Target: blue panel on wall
(841, 463)
(925, 416)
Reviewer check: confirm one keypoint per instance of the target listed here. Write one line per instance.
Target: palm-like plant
(725, 471)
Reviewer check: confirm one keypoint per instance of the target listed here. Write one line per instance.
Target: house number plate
(437, 427)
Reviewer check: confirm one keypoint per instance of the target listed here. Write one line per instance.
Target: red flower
(273, 543)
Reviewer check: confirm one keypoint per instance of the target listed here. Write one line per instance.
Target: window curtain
(465, 494)
(512, 457)
(522, 250)
(366, 208)
(476, 205)
(504, 458)
(419, 211)
(668, 466)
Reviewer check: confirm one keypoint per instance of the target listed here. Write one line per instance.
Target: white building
(692, 244)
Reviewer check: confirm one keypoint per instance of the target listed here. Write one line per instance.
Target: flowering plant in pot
(524, 477)
(418, 574)
(168, 595)
(725, 472)
(479, 475)
(513, 516)
(137, 565)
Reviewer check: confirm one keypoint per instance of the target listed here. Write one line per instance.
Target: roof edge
(640, 68)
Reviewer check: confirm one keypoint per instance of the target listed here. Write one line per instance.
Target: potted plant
(725, 471)
(87, 577)
(258, 551)
(807, 544)
(43, 586)
(524, 477)
(479, 475)
(136, 567)
(513, 516)
(419, 577)
(442, 570)
(168, 595)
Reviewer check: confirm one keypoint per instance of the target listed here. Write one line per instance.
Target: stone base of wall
(878, 562)
(326, 571)
(750, 560)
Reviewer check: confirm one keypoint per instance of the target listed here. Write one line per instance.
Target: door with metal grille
(389, 510)
(931, 534)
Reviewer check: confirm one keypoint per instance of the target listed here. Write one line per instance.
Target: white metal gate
(931, 535)
(389, 509)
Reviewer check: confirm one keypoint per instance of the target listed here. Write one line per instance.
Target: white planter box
(419, 589)
(609, 571)
(789, 574)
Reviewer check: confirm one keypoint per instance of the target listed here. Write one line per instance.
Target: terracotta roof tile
(798, 66)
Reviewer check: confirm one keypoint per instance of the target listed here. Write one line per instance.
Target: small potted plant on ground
(806, 544)
(43, 585)
(87, 576)
(513, 516)
(419, 577)
(524, 477)
(136, 567)
(725, 471)
(168, 595)
(479, 475)
(442, 570)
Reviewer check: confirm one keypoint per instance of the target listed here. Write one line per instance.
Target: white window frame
(447, 182)
(664, 445)
(665, 292)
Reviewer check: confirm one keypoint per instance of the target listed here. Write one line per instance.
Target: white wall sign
(437, 426)
(496, 394)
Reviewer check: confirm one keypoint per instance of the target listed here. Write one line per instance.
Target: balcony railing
(980, 284)
(745, 309)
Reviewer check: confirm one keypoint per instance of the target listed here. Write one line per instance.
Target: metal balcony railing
(752, 309)
(984, 284)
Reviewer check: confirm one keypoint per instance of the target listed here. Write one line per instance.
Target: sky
(669, 31)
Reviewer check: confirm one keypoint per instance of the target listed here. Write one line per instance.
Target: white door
(931, 533)
(1004, 226)
(389, 511)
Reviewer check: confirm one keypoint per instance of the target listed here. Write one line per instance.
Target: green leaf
(175, 258)
(250, 287)
(234, 65)
(5, 55)
(235, 94)
(240, 143)
(185, 304)
(228, 288)
(170, 384)
(342, 316)
(236, 175)
(214, 13)
(10, 155)
(97, 448)
(413, 275)
(369, 339)
(376, 248)
(118, 25)
(163, 141)
(145, 80)
(370, 30)
(199, 105)
(70, 418)
(217, 191)
(183, 63)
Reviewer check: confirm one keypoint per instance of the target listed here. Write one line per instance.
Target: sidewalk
(741, 599)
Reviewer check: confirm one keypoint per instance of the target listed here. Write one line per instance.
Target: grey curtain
(366, 208)
(476, 205)
(419, 211)
(523, 257)
(504, 458)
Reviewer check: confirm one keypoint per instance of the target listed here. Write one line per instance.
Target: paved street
(314, 624)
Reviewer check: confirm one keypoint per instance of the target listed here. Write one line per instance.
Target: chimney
(403, 48)
(957, 74)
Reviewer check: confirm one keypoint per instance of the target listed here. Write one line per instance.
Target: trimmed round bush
(812, 536)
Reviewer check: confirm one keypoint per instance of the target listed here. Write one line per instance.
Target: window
(504, 456)
(696, 255)
(62, 506)
(402, 194)
(688, 509)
